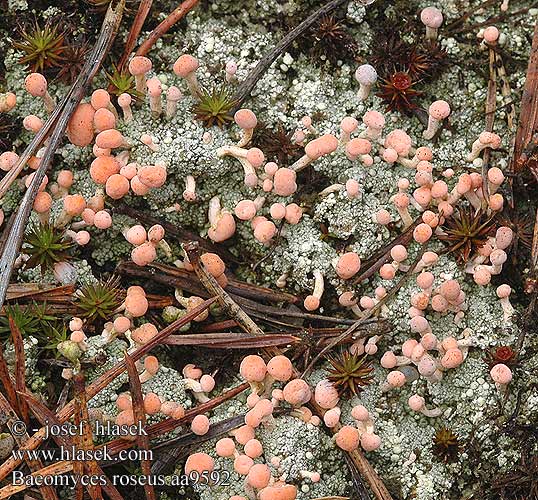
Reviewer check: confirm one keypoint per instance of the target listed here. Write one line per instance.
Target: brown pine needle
(140, 416)
(179, 13)
(528, 115)
(20, 366)
(7, 383)
(231, 340)
(141, 14)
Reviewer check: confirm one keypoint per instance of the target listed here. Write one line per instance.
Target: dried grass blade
(210, 283)
(35, 291)
(256, 292)
(217, 326)
(159, 301)
(86, 437)
(528, 114)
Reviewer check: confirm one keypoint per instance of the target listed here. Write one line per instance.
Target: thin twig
(215, 430)
(78, 467)
(494, 20)
(229, 306)
(531, 282)
(468, 14)
(143, 11)
(528, 114)
(179, 13)
(245, 88)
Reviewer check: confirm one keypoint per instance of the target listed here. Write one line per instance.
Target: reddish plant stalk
(180, 12)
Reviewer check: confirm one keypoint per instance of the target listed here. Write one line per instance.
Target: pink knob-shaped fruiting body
(491, 35)
(36, 84)
(284, 182)
(501, 374)
(139, 65)
(438, 111)
(366, 76)
(432, 18)
(348, 265)
(185, 64)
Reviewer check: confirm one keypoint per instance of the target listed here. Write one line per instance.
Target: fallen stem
(141, 15)
(180, 12)
(247, 85)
